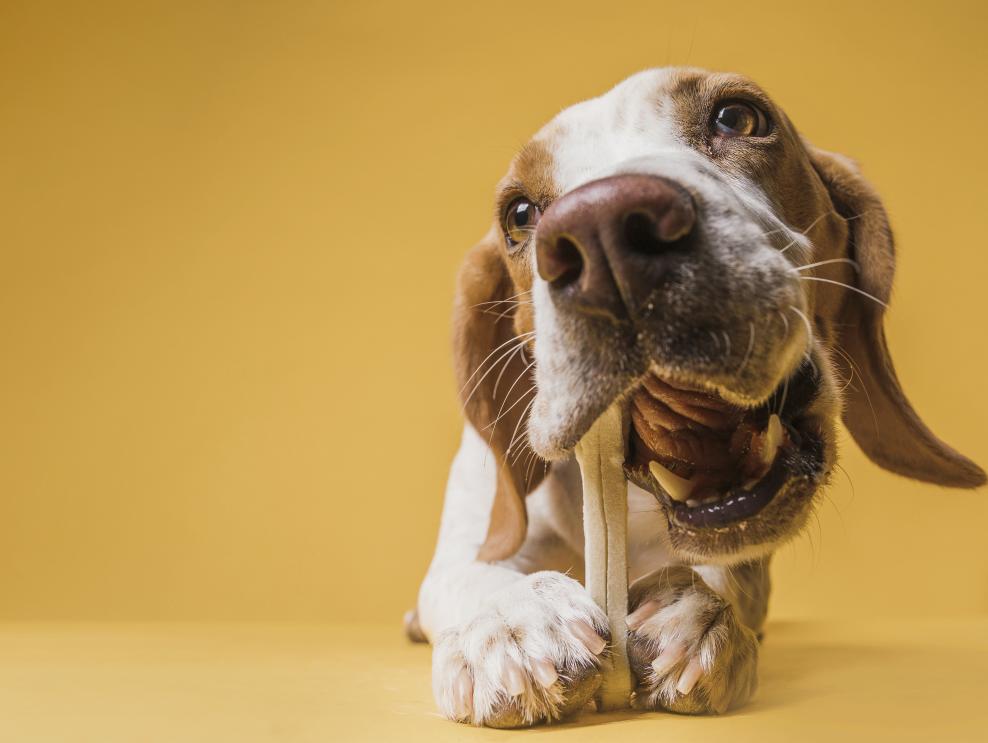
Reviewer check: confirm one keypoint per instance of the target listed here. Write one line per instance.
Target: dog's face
(675, 248)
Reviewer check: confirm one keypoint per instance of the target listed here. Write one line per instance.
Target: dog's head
(675, 247)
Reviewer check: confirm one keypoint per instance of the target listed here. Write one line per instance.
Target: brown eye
(739, 119)
(520, 220)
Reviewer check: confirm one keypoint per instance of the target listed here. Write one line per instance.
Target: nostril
(646, 232)
(640, 233)
(562, 263)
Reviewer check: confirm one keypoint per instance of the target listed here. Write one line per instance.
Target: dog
(674, 247)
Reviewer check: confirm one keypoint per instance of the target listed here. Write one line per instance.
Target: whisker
(500, 360)
(850, 262)
(803, 232)
(502, 315)
(850, 482)
(515, 403)
(807, 229)
(504, 368)
(862, 292)
(785, 321)
(785, 393)
(509, 302)
(514, 433)
(809, 357)
(531, 468)
(864, 387)
(481, 364)
(751, 347)
(500, 301)
(806, 321)
(850, 377)
(494, 303)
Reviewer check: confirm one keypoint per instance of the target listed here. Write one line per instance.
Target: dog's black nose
(605, 245)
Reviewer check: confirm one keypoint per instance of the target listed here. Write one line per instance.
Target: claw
(691, 674)
(463, 695)
(668, 658)
(640, 615)
(588, 636)
(544, 672)
(513, 678)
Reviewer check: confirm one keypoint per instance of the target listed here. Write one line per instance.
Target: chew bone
(600, 454)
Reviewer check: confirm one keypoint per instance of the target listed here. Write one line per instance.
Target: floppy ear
(877, 411)
(495, 379)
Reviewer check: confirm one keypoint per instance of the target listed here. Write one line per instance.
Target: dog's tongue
(694, 442)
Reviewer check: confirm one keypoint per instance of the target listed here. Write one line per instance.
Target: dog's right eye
(520, 219)
(740, 119)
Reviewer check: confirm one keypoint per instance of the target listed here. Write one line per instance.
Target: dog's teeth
(709, 499)
(677, 488)
(772, 440)
(765, 449)
(692, 502)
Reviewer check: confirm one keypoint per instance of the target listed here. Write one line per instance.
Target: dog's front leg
(694, 649)
(510, 649)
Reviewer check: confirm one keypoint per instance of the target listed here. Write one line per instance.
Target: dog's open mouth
(713, 463)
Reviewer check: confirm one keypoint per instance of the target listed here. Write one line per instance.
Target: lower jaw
(790, 477)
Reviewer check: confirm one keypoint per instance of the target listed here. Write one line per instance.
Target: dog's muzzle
(608, 252)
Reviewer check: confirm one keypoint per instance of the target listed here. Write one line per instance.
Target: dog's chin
(734, 477)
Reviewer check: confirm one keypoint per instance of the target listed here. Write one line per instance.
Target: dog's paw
(687, 649)
(531, 655)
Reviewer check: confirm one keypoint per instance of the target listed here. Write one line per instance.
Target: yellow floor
(910, 681)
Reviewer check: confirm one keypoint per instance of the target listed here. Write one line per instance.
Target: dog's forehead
(643, 116)
(634, 119)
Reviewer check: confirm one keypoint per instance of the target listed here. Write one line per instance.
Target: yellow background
(228, 237)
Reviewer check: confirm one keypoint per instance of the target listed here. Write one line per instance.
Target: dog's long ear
(495, 379)
(877, 412)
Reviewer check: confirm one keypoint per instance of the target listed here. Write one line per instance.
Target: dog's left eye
(740, 119)
(520, 220)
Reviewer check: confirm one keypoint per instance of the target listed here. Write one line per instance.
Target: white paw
(531, 655)
(687, 649)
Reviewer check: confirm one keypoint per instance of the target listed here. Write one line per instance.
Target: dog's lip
(738, 502)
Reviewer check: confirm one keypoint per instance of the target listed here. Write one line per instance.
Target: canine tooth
(772, 440)
(709, 499)
(677, 488)
(692, 502)
(765, 447)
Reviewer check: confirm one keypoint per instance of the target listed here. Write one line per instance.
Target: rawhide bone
(600, 454)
